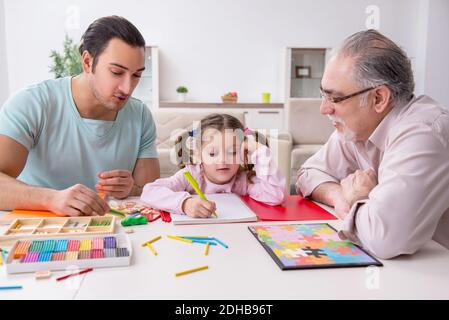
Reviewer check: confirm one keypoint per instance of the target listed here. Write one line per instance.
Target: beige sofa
(307, 130)
(168, 122)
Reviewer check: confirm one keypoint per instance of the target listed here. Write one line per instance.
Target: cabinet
(148, 88)
(264, 119)
(257, 115)
(305, 67)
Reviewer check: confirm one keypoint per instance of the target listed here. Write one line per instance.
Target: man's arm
(404, 209)
(73, 201)
(330, 193)
(14, 193)
(146, 170)
(320, 176)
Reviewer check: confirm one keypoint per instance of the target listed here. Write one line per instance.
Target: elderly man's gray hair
(377, 61)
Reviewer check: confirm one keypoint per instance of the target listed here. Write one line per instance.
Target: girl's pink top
(268, 185)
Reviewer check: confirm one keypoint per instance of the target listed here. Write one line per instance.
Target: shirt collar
(379, 135)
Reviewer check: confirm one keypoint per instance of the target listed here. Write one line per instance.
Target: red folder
(294, 208)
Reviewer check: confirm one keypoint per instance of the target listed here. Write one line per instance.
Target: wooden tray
(54, 227)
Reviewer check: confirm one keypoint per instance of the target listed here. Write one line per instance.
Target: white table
(244, 271)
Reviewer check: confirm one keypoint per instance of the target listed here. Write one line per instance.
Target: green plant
(67, 63)
(182, 89)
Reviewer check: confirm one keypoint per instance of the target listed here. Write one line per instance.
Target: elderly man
(386, 167)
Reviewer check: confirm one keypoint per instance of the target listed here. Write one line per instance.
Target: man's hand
(198, 208)
(358, 185)
(115, 183)
(77, 200)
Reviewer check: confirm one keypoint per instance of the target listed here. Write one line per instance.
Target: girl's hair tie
(248, 131)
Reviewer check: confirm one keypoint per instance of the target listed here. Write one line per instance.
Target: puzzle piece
(337, 244)
(314, 252)
(346, 251)
(294, 253)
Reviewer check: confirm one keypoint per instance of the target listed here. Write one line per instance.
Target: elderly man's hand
(358, 185)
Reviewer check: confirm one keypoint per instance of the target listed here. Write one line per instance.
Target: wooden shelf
(205, 105)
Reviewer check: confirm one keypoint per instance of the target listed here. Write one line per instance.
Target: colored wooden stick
(190, 271)
(180, 239)
(206, 250)
(74, 274)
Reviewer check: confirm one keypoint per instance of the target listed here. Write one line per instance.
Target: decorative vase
(182, 97)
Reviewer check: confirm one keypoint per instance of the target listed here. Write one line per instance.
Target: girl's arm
(268, 185)
(167, 194)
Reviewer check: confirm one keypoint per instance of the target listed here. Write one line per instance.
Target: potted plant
(67, 63)
(182, 92)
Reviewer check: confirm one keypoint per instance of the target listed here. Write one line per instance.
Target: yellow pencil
(151, 241)
(1, 259)
(180, 239)
(197, 189)
(190, 271)
(196, 237)
(152, 249)
(206, 250)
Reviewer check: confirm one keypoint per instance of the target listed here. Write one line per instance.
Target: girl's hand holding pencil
(204, 206)
(198, 208)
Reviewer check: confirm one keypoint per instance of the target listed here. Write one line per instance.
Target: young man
(385, 169)
(62, 139)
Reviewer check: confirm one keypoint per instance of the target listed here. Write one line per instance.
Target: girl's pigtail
(259, 138)
(186, 145)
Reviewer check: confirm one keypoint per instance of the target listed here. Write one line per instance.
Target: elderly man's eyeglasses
(326, 97)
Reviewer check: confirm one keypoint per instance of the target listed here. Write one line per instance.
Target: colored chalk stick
(48, 246)
(31, 257)
(96, 254)
(73, 245)
(110, 253)
(86, 244)
(71, 255)
(122, 252)
(61, 246)
(110, 242)
(84, 254)
(44, 257)
(21, 249)
(36, 246)
(97, 244)
(58, 256)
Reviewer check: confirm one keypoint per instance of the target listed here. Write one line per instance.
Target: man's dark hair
(102, 30)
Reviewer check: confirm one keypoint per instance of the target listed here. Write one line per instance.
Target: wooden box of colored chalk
(57, 254)
(51, 227)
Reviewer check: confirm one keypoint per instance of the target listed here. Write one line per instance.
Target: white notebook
(230, 208)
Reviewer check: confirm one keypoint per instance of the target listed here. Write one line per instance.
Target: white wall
(437, 52)
(4, 86)
(211, 46)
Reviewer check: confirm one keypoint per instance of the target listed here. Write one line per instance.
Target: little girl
(223, 157)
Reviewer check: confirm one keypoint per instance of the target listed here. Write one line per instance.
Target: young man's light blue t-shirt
(65, 149)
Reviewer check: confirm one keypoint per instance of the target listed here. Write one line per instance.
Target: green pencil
(197, 189)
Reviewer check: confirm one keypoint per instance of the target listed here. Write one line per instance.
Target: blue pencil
(11, 288)
(204, 242)
(223, 244)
